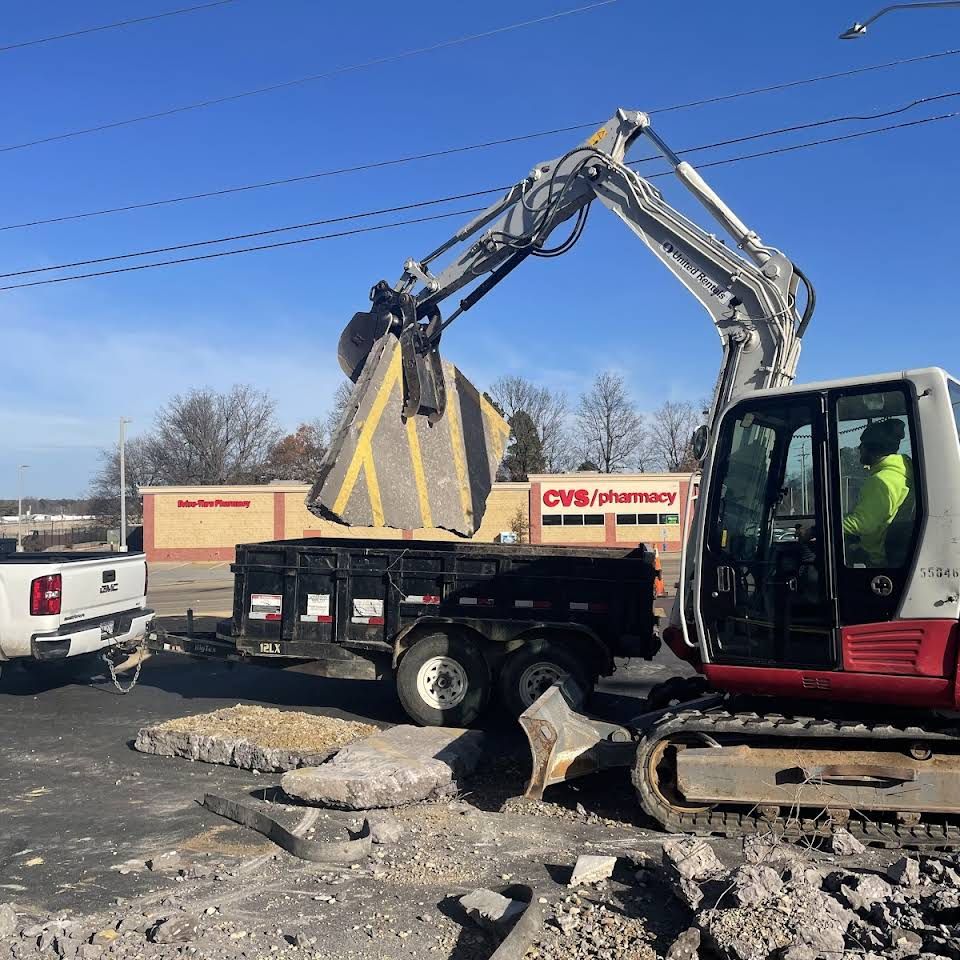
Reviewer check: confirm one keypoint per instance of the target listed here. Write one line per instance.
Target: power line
(299, 81)
(113, 26)
(264, 246)
(776, 151)
(444, 216)
(480, 193)
(357, 168)
(797, 127)
(256, 233)
(412, 158)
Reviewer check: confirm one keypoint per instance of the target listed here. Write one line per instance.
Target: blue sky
(872, 222)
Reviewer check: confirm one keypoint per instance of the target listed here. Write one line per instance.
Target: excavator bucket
(387, 465)
(565, 744)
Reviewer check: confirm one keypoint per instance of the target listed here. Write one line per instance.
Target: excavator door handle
(725, 579)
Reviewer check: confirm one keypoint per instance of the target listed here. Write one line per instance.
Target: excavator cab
(812, 519)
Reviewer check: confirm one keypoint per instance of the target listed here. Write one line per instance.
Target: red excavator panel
(916, 648)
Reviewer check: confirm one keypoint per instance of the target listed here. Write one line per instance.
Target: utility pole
(123, 484)
(20, 468)
(803, 479)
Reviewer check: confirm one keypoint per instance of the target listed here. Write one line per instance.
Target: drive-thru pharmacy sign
(213, 503)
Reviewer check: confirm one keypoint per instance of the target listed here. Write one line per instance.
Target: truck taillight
(45, 595)
(146, 577)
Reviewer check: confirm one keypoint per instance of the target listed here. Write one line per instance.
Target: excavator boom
(749, 291)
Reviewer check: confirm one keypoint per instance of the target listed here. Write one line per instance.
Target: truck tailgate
(97, 588)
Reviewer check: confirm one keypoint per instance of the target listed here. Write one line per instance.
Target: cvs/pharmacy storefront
(612, 510)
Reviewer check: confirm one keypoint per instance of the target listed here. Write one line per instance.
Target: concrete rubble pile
(772, 901)
(780, 903)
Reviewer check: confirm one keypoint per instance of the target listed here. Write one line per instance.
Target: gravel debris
(272, 728)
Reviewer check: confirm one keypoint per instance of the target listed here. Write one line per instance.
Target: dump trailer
(459, 624)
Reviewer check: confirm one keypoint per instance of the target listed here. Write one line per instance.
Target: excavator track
(742, 734)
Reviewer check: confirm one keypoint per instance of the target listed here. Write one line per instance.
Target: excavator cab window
(877, 505)
(763, 592)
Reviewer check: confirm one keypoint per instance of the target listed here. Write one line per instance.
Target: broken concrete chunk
(385, 829)
(869, 890)
(174, 930)
(801, 922)
(755, 883)
(492, 910)
(8, 921)
(770, 850)
(686, 946)
(171, 861)
(845, 844)
(592, 869)
(905, 872)
(396, 766)
(692, 858)
(688, 862)
(105, 937)
(904, 944)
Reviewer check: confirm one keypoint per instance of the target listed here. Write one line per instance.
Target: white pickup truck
(57, 605)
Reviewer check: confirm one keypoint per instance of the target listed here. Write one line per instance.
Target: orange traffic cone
(659, 589)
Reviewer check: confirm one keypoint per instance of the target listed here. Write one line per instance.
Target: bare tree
(142, 468)
(546, 408)
(338, 406)
(611, 430)
(671, 430)
(209, 437)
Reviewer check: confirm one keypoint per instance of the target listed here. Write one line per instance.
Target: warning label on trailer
(367, 608)
(318, 604)
(265, 606)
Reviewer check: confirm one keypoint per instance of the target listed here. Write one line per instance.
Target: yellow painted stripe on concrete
(373, 488)
(419, 479)
(456, 441)
(495, 423)
(363, 452)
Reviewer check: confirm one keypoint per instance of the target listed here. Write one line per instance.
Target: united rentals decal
(213, 503)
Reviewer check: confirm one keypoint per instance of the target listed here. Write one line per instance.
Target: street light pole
(20, 468)
(859, 29)
(123, 484)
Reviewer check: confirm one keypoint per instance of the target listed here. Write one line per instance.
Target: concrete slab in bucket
(382, 471)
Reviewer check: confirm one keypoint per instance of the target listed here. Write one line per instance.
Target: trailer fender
(409, 635)
(596, 653)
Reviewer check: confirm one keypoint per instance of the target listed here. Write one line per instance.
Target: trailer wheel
(443, 680)
(530, 671)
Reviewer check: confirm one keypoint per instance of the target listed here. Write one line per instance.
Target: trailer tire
(529, 671)
(443, 680)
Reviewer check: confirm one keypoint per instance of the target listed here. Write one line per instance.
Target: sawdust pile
(273, 729)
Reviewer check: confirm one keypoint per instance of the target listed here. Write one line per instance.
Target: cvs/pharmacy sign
(582, 497)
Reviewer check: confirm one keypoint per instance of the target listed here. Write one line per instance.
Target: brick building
(577, 509)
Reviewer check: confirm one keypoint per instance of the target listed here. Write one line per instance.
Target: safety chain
(141, 649)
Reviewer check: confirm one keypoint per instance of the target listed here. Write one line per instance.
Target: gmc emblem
(110, 588)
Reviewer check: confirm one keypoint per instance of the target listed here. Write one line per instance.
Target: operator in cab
(887, 489)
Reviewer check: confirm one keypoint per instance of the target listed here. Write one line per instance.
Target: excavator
(819, 588)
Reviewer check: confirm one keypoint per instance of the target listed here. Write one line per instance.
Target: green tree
(525, 451)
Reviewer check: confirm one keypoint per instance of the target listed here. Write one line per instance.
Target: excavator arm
(748, 289)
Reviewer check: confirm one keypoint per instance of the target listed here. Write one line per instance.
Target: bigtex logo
(600, 498)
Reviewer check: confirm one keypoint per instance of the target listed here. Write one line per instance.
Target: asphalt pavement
(77, 801)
